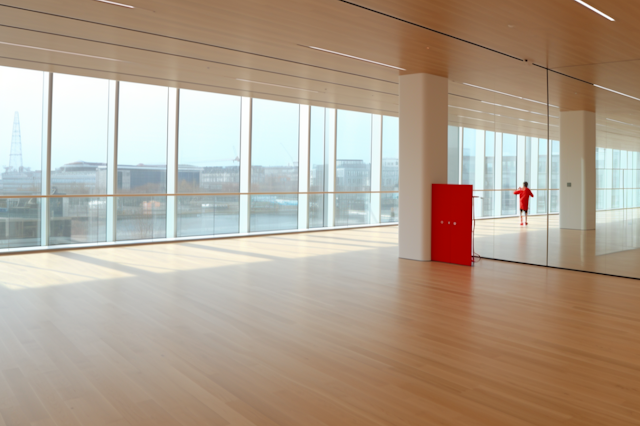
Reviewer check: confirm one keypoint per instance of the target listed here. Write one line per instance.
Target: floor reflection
(611, 249)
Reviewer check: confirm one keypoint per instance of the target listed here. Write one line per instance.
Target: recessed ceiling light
(498, 115)
(60, 51)
(471, 118)
(354, 57)
(116, 4)
(615, 91)
(276, 85)
(517, 109)
(622, 122)
(508, 94)
(595, 10)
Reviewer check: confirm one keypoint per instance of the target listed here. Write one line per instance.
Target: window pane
(141, 218)
(209, 142)
(77, 220)
(469, 156)
(79, 135)
(317, 150)
(509, 165)
(352, 209)
(390, 153)
(22, 106)
(273, 213)
(19, 222)
(555, 166)
(317, 210)
(489, 175)
(510, 203)
(142, 139)
(453, 155)
(208, 215)
(389, 208)
(542, 164)
(353, 167)
(274, 146)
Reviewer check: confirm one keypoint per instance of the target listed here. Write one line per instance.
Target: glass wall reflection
(499, 143)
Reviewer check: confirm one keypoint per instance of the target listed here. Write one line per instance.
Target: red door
(451, 224)
(440, 248)
(461, 225)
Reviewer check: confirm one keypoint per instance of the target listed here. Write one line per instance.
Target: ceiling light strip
(276, 85)
(508, 94)
(622, 122)
(615, 91)
(595, 10)
(354, 57)
(116, 4)
(59, 51)
(498, 115)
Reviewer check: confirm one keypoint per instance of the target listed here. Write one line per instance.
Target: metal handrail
(196, 194)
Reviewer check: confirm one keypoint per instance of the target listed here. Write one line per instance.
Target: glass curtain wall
(390, 177)
(274, 166)
(353, 168)
(208, 162)
(142, 161)
(23, 122)
(318, 170)
(79, 157)
(125, 161)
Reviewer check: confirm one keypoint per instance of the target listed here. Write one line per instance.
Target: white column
(45, 171)
(303, 167)
(423, 156)
(376, 168)
(245, 163)
(578, 170)
(172, 162)
(111, 171)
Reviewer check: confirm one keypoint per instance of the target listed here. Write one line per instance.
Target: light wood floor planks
(318, 329)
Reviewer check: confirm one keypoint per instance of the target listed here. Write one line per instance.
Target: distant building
(21, 182)
(220, 179)
(353, 175)
(390, 174)
(80, 177)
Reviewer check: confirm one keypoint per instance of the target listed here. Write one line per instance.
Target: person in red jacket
(524, 194)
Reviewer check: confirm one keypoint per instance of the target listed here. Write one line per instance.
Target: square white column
(578, 170)
(423, 156)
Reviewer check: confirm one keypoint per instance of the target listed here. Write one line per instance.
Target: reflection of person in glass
(524, 194)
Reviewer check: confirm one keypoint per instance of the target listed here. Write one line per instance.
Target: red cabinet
(452, 224)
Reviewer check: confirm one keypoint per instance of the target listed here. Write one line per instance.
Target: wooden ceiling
(213, 45)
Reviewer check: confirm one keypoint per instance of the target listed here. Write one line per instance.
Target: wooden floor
(312, 329)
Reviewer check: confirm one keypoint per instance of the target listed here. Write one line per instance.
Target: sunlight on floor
(38, 270)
